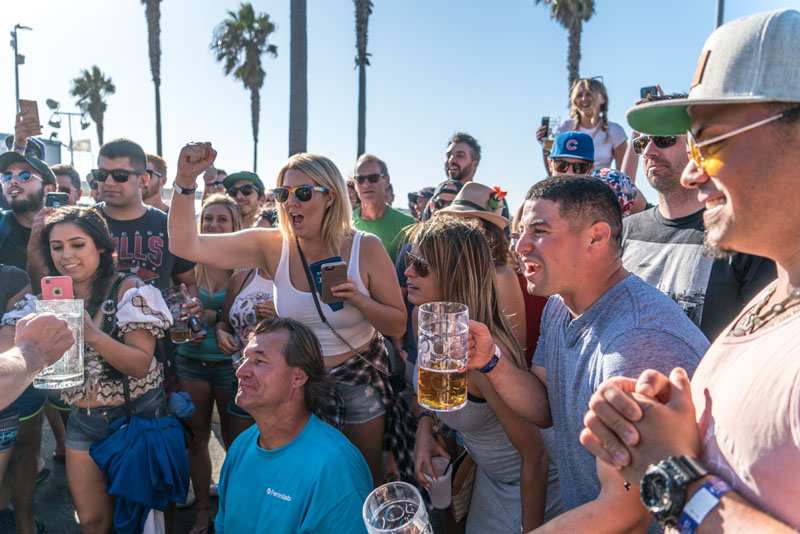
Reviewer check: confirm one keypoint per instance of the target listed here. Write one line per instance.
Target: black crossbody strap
(313, 289)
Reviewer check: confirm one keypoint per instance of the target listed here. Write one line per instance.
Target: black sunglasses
(119, 175)
(371, 178)
(303, 193)
(661, 141)
(419, 264)
(577, 168)
(246, 190)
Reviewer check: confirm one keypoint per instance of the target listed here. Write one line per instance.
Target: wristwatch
(184, 190)
(663, 487)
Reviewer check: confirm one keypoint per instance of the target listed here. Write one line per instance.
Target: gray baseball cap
(754, 59)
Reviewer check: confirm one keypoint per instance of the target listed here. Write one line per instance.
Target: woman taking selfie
(450, 261)
(204, 371)
(76, 242)
(315, 228)
(588, 112)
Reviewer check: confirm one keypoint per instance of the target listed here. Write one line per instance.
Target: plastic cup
(67, 371)
(440, 489)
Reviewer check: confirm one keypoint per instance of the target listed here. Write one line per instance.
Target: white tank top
(242, 314)
(349, 322)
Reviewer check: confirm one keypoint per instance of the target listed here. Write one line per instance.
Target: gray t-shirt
(632, 327)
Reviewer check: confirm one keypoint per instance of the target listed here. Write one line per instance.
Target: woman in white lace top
(122, 320)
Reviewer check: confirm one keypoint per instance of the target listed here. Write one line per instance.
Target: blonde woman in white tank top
(314, 210)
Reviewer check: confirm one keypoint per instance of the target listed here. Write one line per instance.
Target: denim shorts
(9, 428)
(87, 426)
(30, 403)
(220, 374)
(361, 403)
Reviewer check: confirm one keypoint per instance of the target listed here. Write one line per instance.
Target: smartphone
(30, 115)
(56, 200)
(546, 122)
(333, 274)
(645, 92)
(57, 288)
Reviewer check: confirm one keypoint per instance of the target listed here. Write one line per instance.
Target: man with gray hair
(290, 471)
(375, 215)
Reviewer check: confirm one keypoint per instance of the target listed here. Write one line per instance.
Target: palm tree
(91, 89)
(152, 11)
(363, 11)
(239, 42)
(298, 85)
(571, 14)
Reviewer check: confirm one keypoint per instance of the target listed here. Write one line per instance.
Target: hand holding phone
(333, 274)
(57, 288)
(56, 200)
(28, 123)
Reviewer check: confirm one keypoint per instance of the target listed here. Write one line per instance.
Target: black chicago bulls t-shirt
(143, 248)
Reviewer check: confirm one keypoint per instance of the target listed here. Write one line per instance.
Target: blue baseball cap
(577, 145)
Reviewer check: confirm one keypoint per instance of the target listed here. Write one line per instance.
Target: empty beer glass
(396, 508)
(442, 354)
(67, 371)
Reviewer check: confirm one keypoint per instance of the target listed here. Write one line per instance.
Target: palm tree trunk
(255, 108)
(362, 108)
(574, 54)
(159, 149)
(99, 123)
(298, 91)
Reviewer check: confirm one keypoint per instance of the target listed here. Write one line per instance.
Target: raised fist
(193, 160)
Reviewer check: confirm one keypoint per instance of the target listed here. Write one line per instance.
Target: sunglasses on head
(118, 175)
(419, 264)
(303, 193)
(574, 167)
(22, 176)
(661, 141)
(371, 178)
(246, 190)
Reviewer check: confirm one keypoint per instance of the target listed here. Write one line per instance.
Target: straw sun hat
(478, 200)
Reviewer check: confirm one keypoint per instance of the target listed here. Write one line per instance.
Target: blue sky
(491, 68)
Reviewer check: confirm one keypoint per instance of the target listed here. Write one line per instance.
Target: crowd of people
(633, 364)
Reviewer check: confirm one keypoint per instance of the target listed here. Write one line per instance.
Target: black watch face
(655, 492)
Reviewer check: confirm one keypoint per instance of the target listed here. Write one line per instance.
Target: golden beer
(442, 389)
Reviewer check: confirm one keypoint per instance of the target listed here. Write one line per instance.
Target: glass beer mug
(396, 508)
(67, 371)
(442, 356)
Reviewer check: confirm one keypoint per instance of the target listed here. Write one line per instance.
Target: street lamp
(19, 59)
(55, 122)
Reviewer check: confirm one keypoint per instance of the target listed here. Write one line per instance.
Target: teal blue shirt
(315, 484)
(208, 348)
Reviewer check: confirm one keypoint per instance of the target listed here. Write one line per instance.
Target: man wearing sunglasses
(572, 153)
(247, 189)
(25, 181)
(721, 454)
(375, 214)
(151, 191)
(664, 244)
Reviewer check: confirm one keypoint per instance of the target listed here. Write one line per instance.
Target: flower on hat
(496, 197)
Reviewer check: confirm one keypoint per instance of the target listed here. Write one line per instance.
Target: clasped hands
(633, 423)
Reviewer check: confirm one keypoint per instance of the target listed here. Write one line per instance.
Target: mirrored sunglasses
(303, 193)
(661, 141)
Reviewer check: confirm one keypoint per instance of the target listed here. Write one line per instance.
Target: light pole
(19, 59)
(720, 12)
(55, 122)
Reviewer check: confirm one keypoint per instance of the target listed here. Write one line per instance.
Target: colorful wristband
(492, 363)
(702, 502)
